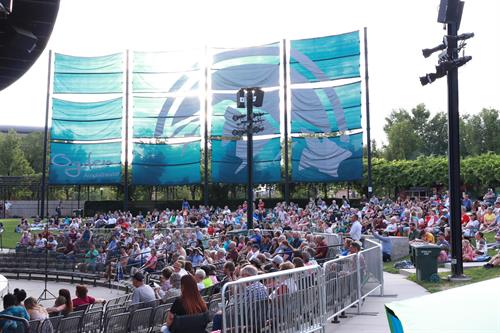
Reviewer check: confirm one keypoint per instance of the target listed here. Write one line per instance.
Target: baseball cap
(277, 260)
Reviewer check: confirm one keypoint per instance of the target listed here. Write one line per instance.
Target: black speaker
(23, 39)
(447, 15)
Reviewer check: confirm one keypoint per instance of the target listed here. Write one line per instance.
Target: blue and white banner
(93, 163)
(229, 161)
(327, 160)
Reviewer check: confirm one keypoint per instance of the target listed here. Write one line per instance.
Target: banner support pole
(125, 189)
(45, 141)
(205, 147)
(285, 120)
(368, 134)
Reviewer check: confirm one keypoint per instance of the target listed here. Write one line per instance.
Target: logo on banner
(74, 169)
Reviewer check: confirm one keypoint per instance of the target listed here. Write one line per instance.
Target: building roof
(28, 18)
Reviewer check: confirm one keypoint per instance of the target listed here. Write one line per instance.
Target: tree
(32, 146)
(12, 161)
(404, 142)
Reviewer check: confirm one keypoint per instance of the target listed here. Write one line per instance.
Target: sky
(397, 31)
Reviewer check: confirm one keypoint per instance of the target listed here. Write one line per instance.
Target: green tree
(404, 142)
(12, 161)
(32, 146)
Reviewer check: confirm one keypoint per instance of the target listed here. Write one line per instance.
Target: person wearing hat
(142, 292)
(277, 261)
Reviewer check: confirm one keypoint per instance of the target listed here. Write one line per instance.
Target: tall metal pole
(205, 147)
(454, 151)
(125, 190)
(249, 105)
(285, 120)
(45, 141)
(368, 135)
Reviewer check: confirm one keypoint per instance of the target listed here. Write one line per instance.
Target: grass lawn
(476, 274)
(9, 236)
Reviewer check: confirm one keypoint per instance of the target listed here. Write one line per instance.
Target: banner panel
(327, 160)
(86, 130)
(166, 164)
(246, 67)
(82, 111)
(325, 58)
(225, 113)
(112, 63)
(166, 117)
(93, 163)
(229, 161)
(88, 83)
(325, 110)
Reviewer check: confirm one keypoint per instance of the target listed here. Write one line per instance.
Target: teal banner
(226, 117)
(246, 67)
(166, 164)
(166, 117)
(93, 163)
(82, 111)
(325, 58)
(326, 110)
(88, 75)
(229, 161)
(165, 72)
(327, 159)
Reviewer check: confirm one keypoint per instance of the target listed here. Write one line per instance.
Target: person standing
(356, 227)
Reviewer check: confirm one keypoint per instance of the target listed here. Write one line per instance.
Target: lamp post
(101, 189)
(254, 97)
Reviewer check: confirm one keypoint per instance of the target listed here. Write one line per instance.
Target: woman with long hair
(35, 310)
(64, 308)
(190, 302)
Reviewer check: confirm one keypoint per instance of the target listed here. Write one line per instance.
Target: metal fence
(371, 269)
(285, 301)
(341, 281)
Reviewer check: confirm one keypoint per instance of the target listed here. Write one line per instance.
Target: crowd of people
(207, 246)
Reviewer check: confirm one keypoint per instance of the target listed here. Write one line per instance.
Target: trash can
(78, 212)
(424, 257)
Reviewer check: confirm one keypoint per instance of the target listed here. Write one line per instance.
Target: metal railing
(285, 301)
(371, 268)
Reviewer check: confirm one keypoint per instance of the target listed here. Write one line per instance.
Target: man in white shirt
(355, 231)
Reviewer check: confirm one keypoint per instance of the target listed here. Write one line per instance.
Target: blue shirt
(386, 243)
(16, 311)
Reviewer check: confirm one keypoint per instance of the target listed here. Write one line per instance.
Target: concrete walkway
(375, 320)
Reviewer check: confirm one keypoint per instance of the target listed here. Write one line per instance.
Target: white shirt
(356, 231)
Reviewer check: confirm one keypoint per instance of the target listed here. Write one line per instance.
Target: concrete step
(408, 271)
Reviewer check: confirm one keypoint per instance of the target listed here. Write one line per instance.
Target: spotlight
(431, 77)
(238, 117)
(428, 52)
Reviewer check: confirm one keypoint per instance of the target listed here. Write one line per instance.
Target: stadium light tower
(450, 13)
(249, 125)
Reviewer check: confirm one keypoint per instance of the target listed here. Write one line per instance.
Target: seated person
(468, 253)
(36, 311)
(481, 246)
(494, 262)
(82, 297)
(11, 309)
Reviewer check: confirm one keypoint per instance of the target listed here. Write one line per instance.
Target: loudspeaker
(23, 39)
(447, 15)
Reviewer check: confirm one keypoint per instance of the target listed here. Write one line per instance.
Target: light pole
(450, 12)
(254, 97)
(101, 192)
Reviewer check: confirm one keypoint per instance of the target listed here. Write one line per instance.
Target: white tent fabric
(472, 308)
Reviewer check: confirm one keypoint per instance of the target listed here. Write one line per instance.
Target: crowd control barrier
(285, 301)
(302, 299)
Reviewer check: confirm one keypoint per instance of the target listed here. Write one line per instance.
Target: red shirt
(83, 301)
(465, 218)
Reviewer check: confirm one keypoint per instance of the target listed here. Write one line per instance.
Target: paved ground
(395, 285)
(34, 288)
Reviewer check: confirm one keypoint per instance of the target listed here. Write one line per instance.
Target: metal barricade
(341, 284)
(285, 301)
(371, 269)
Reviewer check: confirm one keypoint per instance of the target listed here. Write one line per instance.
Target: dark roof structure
(24, 33)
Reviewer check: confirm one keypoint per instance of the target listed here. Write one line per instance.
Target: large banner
(88, 75)
(229, 161)
(325, 58)
(89, 121)
(162, 164)
(326, 110)
(93, 163)
(327, 159)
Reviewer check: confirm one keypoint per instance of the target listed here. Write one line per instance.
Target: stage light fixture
(258, 97)
(240, 98)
